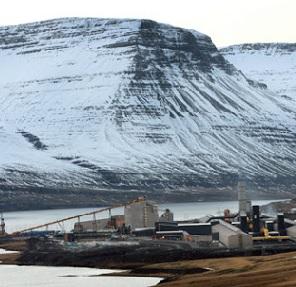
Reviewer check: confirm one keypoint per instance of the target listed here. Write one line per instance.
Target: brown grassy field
(11, 258)
(272, 271)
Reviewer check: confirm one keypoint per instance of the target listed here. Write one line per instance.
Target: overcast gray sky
(226, 21)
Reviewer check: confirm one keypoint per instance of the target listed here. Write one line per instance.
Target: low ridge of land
(242, 271)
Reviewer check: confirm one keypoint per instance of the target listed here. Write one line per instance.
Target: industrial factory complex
(241, 230)
(246, 229)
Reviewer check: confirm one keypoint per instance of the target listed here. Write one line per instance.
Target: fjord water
(19, 220)
(33, 276)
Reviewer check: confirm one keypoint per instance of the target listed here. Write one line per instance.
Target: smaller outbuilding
(114, 222)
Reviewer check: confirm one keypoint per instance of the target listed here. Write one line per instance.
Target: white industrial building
(291, 231)
(141, 213)
(231, 236)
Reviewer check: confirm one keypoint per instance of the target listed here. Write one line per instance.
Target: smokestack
(241, 196)
(244, 223)
(269, 225)
(256, 220)
(281, 224)
(244, 205)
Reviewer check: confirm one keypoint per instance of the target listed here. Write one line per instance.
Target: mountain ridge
(132, 106)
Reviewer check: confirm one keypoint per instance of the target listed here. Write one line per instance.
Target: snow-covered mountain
(271, 63)
(108, 108)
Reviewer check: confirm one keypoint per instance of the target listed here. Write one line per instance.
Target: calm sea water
(39, 276)
(23, 219)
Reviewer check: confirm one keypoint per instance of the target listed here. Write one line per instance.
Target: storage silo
(167, 216)
(256, 220)
(281, 224)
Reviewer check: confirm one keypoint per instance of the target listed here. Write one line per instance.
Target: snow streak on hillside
(134, 105)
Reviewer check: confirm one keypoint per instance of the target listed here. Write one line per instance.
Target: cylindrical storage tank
(244, 223)
(269, 225)
(256, 220)
(281, 224)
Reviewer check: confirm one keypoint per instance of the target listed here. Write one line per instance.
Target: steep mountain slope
(121, 106)
(271, 63)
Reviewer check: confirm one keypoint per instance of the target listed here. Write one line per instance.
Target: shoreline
(218, 272)
(215, 272)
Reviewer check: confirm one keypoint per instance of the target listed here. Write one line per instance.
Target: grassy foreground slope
(272, 271)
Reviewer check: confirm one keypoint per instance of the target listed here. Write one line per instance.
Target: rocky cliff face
(110, 108)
